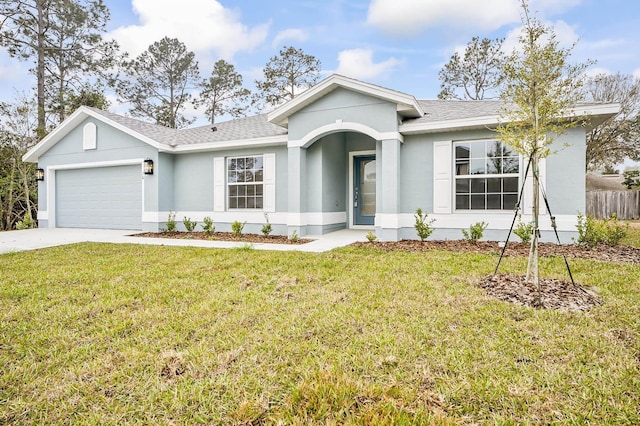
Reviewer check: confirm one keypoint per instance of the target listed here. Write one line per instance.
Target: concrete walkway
(31, 239)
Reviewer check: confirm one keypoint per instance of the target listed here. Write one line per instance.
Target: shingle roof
(443, 110)
(257, 126)
(252, 127)
(156, 132)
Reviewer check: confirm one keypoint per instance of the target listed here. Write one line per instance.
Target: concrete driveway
(31, 239)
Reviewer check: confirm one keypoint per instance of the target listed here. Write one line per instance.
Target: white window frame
(238, 184)
(456, 177)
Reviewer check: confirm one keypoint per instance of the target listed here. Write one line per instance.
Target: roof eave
(230, 144)
(596, 115)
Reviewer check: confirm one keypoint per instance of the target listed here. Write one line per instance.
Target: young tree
(286, 75)
(157, 83)
(475, 75)
(63, 38)
(617, 138)
(540, 89)
(222, 93)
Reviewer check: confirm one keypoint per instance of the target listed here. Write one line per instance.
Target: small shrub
(207, 226)
(237, 227)
(294, 236)
(592, 231)
(523, 230)
(26, 223)
(423, 226)
(171, 222)
(189, 225)
(266, 228)
(475, 231)
(371, 237)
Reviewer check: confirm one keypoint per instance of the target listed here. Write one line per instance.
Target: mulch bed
(554, 294)
(224, 236)
(605, 253)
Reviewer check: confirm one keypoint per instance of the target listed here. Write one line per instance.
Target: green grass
(111, 334)
(633, 235)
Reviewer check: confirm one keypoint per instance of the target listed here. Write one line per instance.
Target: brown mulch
(224, 236)
(605, 253)
(554, 294)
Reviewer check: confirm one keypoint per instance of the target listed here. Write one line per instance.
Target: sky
(399, 44)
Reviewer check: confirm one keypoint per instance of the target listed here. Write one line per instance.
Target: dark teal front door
(364, 190)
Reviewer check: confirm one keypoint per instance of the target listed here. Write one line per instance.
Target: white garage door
(101, 197)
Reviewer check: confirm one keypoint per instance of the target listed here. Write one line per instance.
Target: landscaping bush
(523, 230)
(475, 231)
(207, 226)
(189, 225)
(266, 228)
(592, 231)
(371, 236)
(237, 227)
(171, 222)
(422, 225)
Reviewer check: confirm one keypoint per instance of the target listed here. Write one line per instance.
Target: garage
(102, 197)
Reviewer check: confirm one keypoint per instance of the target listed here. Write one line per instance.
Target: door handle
(355, 197)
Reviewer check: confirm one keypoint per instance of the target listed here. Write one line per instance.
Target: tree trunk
(26, 189)
(10, 200)
(42, 130)
(532, 265)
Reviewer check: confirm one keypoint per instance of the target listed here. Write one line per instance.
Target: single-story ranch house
(343, 154)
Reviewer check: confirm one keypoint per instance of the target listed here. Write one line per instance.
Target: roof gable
(150, 134)
(407, 106)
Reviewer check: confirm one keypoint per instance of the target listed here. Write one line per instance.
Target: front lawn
(101, 333)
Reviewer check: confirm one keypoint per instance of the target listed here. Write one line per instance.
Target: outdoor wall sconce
(148, 166)
(39, 174)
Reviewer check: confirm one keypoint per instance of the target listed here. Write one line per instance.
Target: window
(245, 177)
(486, 176)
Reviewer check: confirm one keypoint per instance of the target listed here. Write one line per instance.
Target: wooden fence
(625, 204)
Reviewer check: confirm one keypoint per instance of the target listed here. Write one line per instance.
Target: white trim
(449, 125)
(406, 104)
(219, 184)
(316, 218)
(222, 145)
(43, 215)
(443, 176)
(95, 164)
(490, 121)
(269, 182)
(51, 181)
(353, 154)
(342, 126)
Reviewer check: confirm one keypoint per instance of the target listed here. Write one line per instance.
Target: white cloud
(202, 25)
(594, 71)
(294, 34)
(358, 63)
(565, 35)
(636, 74)
(410, 17)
